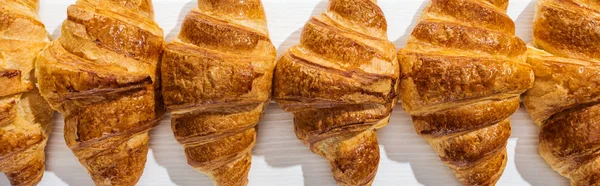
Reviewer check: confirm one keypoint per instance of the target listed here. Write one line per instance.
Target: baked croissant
(25, 118)
(341, 83)
(564, 99)
(462, 72)
(216, 78)
(101, 74)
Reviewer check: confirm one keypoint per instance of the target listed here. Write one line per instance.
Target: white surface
(279, 158)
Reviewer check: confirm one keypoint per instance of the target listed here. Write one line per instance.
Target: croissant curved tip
(354, 161)
(31, 175)
(485, 172)
(234, 173)
(117, 165)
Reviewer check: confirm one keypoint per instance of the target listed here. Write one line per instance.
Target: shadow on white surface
(169, 154)
(289, 42)
(289, 151)
(175, 31)
(56, 33)
(401, 141)
(294, 38)
(403, 145)
(524, 22)
(401, 42)
(4, 180)
(530, 165)
(278, 144)
(63, 163)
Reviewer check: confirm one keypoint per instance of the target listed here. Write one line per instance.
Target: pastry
(462, 72)
(102, 75)
(25, 118)
(341, 84)
(216, 78)
(564, 99)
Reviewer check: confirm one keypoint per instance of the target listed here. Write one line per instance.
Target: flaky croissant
(462, 72)
(341, 83)
(564, 101)
(217, 77)
(101, 74)
(25, 118)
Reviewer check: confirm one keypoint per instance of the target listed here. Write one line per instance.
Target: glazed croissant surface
(101, 74)
(217, 77)
(25, 118)
(564, 99)
(462, 72)
(340, 82)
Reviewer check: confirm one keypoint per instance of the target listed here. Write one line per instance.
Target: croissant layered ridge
(341, 84)
(564, 99)
(25, 118)
(462, 72)
(217, 77)
(102, 75)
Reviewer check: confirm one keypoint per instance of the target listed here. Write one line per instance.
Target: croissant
(25, 118)
(101, 74)
(564, 99)
(462, 72)
(341, 84)
(216, 78)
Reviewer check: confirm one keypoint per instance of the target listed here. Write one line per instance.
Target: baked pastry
(340, 83)
(462, 72)
(217, 77)
(25, 118)
(102, 75)
(564, 99)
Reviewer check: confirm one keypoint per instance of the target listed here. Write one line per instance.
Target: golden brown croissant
(217, 79)
(102, 75)
(25, 118)
(341, 84)
(463, 70)
(564, 99)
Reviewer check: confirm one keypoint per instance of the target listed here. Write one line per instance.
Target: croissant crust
(25, 118)
(217, 77)
(101, 74)
(341, 84)
(564, 99)
(462, 72)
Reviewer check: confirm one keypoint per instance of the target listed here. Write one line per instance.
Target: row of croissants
(461, 75)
